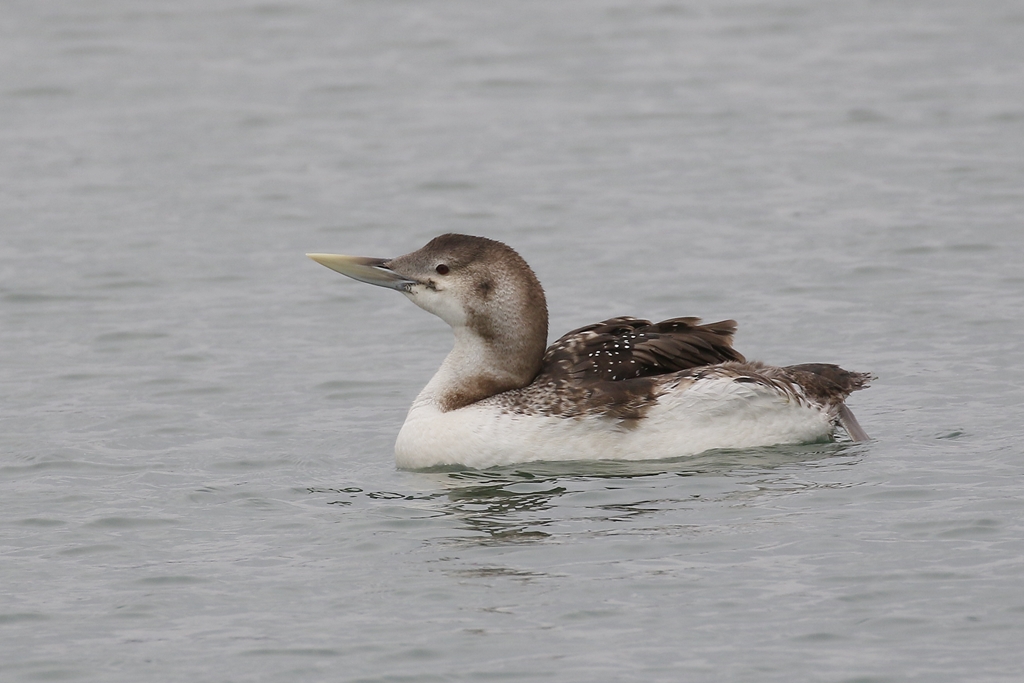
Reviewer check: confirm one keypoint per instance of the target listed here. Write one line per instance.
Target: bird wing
(627, 348)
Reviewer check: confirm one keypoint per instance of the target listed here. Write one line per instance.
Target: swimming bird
(621, 389)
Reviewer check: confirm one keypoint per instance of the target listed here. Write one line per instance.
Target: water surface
(197, 422)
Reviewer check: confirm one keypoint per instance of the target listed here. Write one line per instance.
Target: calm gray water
(196, 421)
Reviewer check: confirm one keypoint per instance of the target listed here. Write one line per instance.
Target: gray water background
(196, 421)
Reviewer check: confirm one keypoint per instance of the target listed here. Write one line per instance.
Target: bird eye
(441, 269)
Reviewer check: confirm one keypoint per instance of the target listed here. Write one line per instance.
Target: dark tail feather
(850, 424)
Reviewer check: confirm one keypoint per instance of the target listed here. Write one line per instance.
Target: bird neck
(479, 367)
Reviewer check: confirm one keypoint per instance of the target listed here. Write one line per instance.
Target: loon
(621, 389)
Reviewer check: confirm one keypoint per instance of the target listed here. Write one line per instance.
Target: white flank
(710, 413)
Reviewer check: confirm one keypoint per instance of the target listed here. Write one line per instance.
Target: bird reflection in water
(523, 503)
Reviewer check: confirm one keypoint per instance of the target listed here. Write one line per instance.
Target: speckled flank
(618, 368)
(628, 399)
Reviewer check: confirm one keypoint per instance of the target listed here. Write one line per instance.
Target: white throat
(472, 370)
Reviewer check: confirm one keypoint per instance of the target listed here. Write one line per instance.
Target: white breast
(710, 413)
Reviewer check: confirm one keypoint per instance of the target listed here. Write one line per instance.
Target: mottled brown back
(627, 348)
